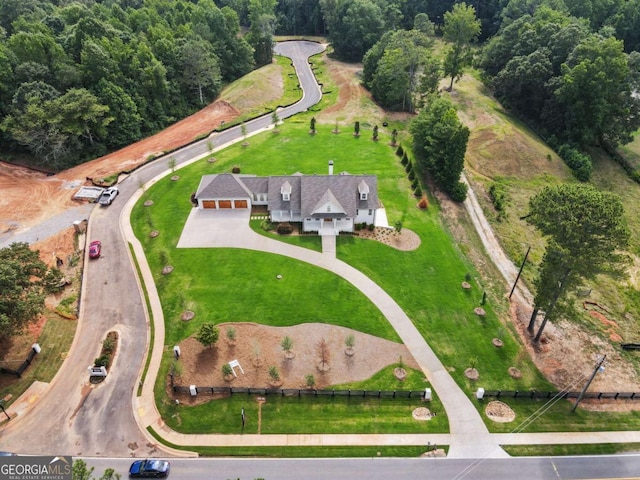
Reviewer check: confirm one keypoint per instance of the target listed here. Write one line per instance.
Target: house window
(286, 197)
(370, 212)
(328, 208)
(363, 195)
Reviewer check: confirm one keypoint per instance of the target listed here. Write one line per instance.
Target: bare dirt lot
(20, 186)
(257, 348)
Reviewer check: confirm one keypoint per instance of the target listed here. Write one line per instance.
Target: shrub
(235, 169)
(267, 226)
(227, 370)
(208, 334)
(286, 343)
(310, 380)
(284, 228)
(371, 227)
(579, 163)
(459, 192)
(231, 334)
(405, 159)
(350, 341)
(418, 192)
(102, 361)
(108, 345)
(498, 196)
(400, 152)
(412, 175)
(274, 375)
(414, 184)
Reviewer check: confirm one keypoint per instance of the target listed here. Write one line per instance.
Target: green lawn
(306, 451)
(308, 414)
(235, 285)
(556, 416)
(55, 341)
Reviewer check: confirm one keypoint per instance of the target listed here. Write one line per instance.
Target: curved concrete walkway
(469, 437)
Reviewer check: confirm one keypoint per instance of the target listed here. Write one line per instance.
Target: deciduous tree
(440, 143)
(461, 27)
(23, 283)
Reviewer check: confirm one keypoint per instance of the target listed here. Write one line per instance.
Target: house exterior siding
(328, 204)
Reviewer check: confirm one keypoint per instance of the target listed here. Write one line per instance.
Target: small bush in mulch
(108, 351)
(285, 228)
(235, 169)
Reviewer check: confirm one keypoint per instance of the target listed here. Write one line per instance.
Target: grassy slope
(503, 150)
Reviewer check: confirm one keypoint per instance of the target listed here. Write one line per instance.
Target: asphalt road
(529, 468)
(73, 418)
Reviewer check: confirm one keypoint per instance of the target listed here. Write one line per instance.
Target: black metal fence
(298, 392)
(20, 370)
(533, 394)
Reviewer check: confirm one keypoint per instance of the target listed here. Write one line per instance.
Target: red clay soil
(54, 193)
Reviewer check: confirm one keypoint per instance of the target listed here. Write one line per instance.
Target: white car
(108, 195)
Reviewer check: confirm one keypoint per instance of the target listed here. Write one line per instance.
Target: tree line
(80, 79)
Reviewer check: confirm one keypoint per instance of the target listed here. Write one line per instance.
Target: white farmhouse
(327, 204)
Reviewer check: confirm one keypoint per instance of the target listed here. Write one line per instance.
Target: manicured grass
(152, 330)
(570, 449)
(407, 451)
(308, 414)
(235, 285)
(55, 341)
(558, 417)
(312, 242)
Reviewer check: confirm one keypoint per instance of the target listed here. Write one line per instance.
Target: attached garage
(224, 203)
(240, 204)
(209, 204)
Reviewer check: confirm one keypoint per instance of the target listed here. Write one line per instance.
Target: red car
(95, 248)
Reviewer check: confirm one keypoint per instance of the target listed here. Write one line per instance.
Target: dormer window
(285, 190)
(363, 190)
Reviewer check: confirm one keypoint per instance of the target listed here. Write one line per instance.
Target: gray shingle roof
(222, 185)
(308, 192)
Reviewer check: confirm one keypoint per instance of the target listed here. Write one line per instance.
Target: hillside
(504, 152)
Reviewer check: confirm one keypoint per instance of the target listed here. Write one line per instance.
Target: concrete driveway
(207, 228)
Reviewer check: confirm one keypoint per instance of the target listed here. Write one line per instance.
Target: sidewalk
(469, 437)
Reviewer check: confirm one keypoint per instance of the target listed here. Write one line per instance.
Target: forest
(80, 79)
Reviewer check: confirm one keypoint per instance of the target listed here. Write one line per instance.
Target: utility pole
(520, 271)
(596, 369)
